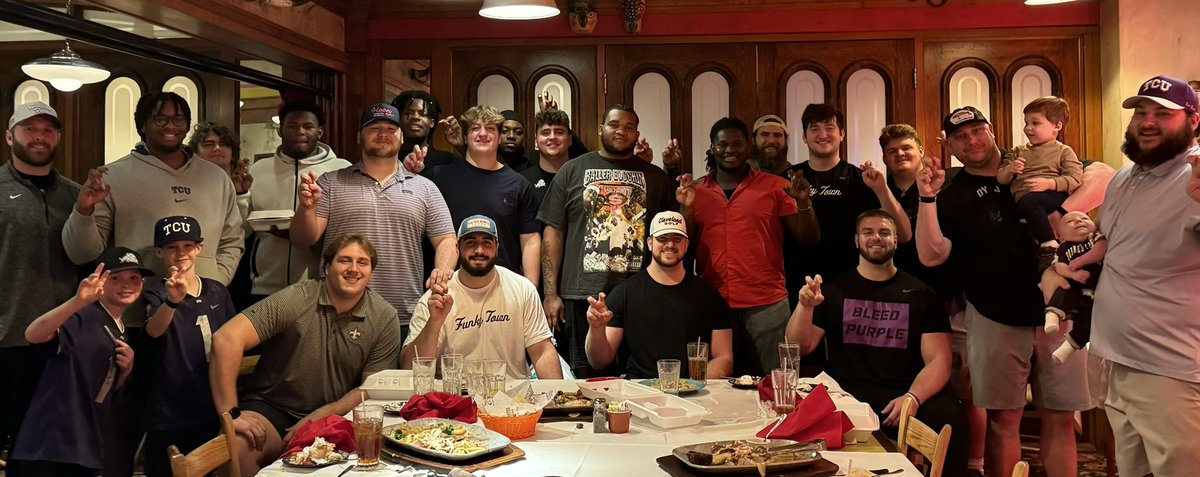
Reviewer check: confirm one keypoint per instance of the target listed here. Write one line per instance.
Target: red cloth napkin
(441, 405)
(815, 417)
(335, 429)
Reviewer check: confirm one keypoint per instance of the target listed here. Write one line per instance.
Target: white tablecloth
(561, 449)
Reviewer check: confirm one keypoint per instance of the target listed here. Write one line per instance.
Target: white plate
(681, 454)
(492, 441)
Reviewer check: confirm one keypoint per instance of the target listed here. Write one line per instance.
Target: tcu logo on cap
(128, 258)
(176, 227)
(1156, 83)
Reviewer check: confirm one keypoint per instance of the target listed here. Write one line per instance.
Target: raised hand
(92, 287)
(453, 132)
(598, 314)
(242, 180)
(798, 187)
(873, 177)
(931, 178)
(546, 102)
(310, 192)
(686, 193)
(176, 285)
(439, 280)
(415, 160)
(440, 305)
(810, 294)
(1040, 184)
(1193, 185)
(672, 155)
(94, 191)
(643, 151)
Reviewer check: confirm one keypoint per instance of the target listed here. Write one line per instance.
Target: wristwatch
(927, 200)
(235, 413)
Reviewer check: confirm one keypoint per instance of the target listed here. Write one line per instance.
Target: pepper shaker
(600, 416)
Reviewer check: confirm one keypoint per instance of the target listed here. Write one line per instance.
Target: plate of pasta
(445, 439)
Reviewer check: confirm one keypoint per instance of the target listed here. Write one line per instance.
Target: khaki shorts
(1004, 358)
(1156, 422)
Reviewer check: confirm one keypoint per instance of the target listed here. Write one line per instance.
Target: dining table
(572, 449)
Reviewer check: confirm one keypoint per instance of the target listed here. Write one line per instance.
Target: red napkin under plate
(815, 417)
(440, 405)
(335, 429)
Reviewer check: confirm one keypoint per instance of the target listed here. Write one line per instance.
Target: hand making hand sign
(310, 192)
(598, 314)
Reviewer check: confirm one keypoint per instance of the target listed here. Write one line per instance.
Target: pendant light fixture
(518, 9)
(65, 70)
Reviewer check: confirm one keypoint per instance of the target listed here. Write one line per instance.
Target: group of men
(876, 264)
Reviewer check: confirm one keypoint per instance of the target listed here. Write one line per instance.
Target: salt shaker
(600, 416)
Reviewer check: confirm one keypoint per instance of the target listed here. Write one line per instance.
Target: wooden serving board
(487, 461)
(677, 468)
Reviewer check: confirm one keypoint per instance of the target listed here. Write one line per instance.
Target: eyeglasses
(161, 121)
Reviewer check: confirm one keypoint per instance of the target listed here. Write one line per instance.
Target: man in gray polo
(319, 338)
(389, 205)
(1148, 299)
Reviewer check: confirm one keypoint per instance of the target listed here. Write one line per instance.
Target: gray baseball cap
(36, 108)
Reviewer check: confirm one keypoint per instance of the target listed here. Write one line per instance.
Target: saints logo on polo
(355, 334)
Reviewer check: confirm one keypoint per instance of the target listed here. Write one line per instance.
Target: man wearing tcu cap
(184, 311)
(1148, 298)
(35, 201)
(485, 311)
(655, 313)
(975, 218)
(770, 150)
(383, 201)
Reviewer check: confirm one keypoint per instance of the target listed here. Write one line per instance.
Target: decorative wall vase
(583, 16)
(632, 13)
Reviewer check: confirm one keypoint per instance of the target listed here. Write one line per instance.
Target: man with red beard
(595, 244)
(383, 201)
(1148, 298)
(34, 204)
(654, 314)
(319, 338)
(888, 336)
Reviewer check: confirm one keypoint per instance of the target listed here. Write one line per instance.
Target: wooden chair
(932, 446)
(215, 454)
(1021, 469)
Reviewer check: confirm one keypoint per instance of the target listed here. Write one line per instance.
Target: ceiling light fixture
(66, 70)
(518, 9)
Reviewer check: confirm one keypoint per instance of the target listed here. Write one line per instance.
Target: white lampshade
(1046, 2)
(518, 9)
(65, 70)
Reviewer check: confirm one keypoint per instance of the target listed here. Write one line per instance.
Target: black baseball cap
(118, 259)
(961, 118)
(177, 228)
(379, 112)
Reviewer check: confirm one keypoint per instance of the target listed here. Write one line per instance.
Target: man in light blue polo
(1146, 319)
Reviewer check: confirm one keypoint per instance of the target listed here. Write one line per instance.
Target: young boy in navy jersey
(184, 312)
(62, 435)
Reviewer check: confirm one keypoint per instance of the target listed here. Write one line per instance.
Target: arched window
(804, 87)
(496, 91)
(710, 102)
(1030, 82)
(652, 100)
(120, 133)
(970, 86)
(29, 91)
(866, 115)
(185, 87)
(560, 88)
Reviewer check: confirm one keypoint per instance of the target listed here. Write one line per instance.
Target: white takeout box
(667, 411)
(263, 220)
(864, 419)
(616, 389)
(390, 384)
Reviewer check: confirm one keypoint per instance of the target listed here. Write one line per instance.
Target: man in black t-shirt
(840, 191)
(654, 315)
(482, 185)
(552, 132)
(888, 336)
(975, 219)
(419, 116)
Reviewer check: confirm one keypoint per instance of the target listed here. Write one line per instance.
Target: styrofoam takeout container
(618, 389)
(390, 384)
(864, 419)
(667, 411)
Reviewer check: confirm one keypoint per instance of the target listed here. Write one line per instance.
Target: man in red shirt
(738, 216)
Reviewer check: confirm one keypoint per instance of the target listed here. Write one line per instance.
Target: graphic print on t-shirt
(875, 323)
(465, 322)
(615, 201)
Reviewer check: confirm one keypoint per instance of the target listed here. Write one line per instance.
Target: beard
(667, 263)
(383, 150)
(880, 260)
(1173, 144)
(481, 271)
(36, 160)
(607, 143)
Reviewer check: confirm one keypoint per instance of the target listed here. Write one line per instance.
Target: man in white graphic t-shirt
(484, 311)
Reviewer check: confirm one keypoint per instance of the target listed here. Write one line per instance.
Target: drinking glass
(476, 383)
(698, 361)
(368, 434)
(496, 374)
(452, 372)
(789, 356)
(668, 375)
(423, 369)
(785, 393)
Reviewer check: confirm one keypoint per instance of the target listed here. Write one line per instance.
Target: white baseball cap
(36, 108)
(668, 222)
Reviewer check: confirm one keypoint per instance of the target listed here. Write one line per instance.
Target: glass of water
(423, 369)
(668, 375)
(452, 372)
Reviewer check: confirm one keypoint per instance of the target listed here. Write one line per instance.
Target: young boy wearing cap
(184, 312)
(62, 433)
